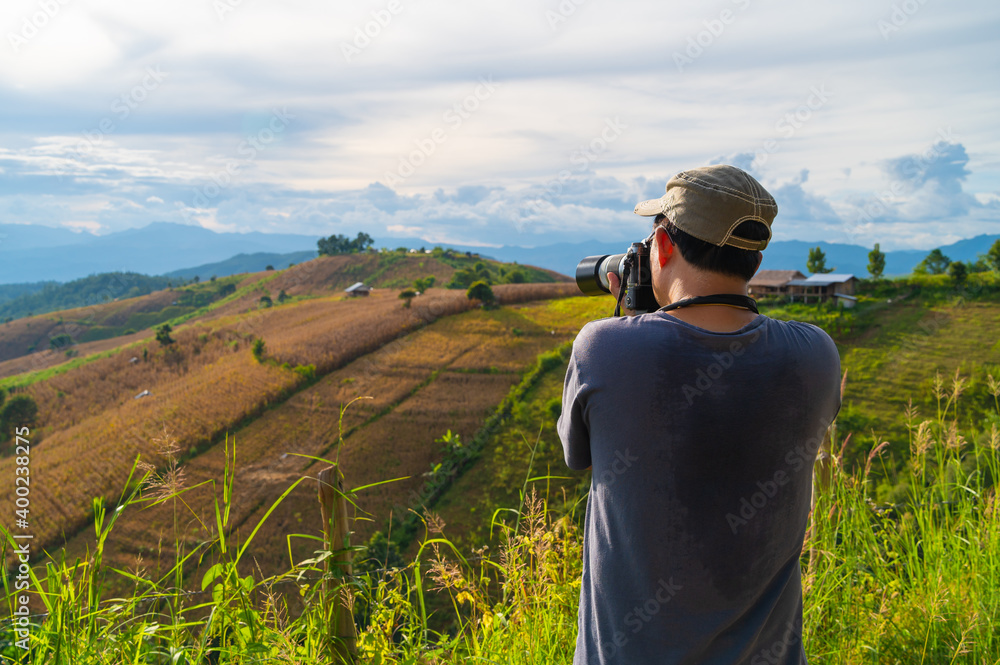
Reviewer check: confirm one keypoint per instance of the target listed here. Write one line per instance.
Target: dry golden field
(444, 376)
(19, 335)
(207, 383)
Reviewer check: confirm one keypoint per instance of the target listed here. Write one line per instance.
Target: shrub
(60, 341)
(258, 350)
(19, 411)
(425, 283)
(482, 292)
(407, 296)
(163, 335)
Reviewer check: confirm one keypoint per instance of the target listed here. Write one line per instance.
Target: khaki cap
(709, 202)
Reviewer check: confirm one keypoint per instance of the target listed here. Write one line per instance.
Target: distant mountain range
(779, 255)
(30, 254)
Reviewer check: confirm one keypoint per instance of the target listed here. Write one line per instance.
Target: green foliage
(282, 297)
(92, 290)
(424, 283)
(958, 271)
(308, 372)
(461, 279)
(268, 267)
(407, 296)
(935, 263)
(993, 255)
(163, 335)
(981, 264)
(338, 244)
(265, 302)
(816, 263)
(19, 411)
(482, 292)
(876, 262)
(258, 349)
(60, 341)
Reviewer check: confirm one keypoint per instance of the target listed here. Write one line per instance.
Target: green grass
(902, 564)
(915, 582)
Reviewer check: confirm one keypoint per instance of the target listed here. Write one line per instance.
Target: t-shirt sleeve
(574, 431)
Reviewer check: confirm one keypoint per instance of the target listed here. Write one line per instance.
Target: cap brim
(650, 208)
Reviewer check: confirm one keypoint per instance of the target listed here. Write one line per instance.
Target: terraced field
(449, 375)
(204, 384)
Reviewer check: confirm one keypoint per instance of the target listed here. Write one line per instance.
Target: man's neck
(717, 318)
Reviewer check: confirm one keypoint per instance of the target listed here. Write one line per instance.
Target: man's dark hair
(727, 260)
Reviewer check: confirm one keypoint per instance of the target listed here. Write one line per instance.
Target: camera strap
(731, 299)
(622, 287)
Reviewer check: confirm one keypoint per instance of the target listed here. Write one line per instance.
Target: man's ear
(663, 245)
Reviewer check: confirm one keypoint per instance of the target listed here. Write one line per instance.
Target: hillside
(26, 344)
(204, 385)
(434, 374)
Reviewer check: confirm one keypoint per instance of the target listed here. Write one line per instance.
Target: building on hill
(820, 287)
(793, 285)
(358, 289)
(772, 282)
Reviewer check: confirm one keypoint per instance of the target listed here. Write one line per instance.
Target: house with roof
(793, 285)
(772, 282)
(358, 289)
(819, 287)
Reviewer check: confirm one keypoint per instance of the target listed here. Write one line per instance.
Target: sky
(498, 123)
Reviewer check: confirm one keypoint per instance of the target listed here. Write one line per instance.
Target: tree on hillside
(163, 334)
(876, 262)
(516, 276)
(816, 264)
(19, 411)
(482, 292)
(424, 283)
(338, 244)
(463, 279)
(60, 341)
(258, 349)
(993, 255)
(935, 263)
(958, 271)
(408, 295)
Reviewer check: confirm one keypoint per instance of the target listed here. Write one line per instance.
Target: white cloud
(541, 136)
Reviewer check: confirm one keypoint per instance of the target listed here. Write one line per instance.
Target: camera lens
(592, 273)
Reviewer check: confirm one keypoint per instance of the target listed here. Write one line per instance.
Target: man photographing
(701, 422)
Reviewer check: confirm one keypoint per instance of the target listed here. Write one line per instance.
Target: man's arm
(572, 426)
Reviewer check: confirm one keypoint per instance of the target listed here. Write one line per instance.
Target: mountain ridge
(171, 249)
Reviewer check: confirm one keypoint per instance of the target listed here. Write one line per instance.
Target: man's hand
(615, 285)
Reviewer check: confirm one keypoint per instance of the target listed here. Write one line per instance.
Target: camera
(632, 269)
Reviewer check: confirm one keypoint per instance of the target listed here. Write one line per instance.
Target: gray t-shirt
(702, 446)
